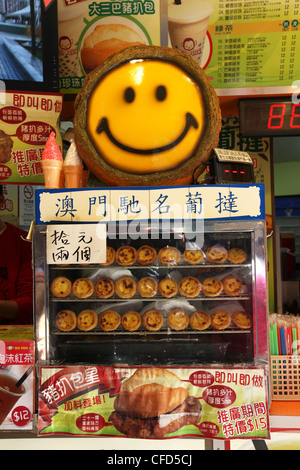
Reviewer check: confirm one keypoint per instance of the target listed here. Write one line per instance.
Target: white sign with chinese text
(76, 244)
(121, 204)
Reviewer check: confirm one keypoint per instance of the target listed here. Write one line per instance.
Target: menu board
(248, 44)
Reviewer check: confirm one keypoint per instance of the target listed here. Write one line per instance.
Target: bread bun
(150, 392)
(106, 40)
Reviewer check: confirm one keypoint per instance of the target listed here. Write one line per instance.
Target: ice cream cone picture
(52, 163)
(72, 167)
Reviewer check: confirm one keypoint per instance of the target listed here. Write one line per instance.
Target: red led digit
(277, 111)
(295, 115)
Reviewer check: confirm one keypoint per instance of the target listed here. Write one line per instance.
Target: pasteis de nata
(131, 320)
(178, 319)
(109, 320)
(232, 285)
(66, 320)
(189, 286)
(61, 286)
(82, 288)
(220, 320)
(216, 254)
(87, 320)
(126, 255)
(212, 287)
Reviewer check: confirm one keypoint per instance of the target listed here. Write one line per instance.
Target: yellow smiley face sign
(143, 116)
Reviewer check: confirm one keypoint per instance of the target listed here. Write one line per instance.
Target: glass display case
(176, 293)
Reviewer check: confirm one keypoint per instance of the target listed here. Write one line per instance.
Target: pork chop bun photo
(154, 402)
(104, 41)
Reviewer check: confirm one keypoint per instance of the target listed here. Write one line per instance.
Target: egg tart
(178, 319)
(152, 320)
(216, 254)
(146, 255)
(212, 287)
(193, 256)
(167, 287)
(131, 320)
(147, 286)
(169, 255)
(220, 320)
(82, 288)
(104, 288)
(242, 319)
(232, 285)
(61, 287)
(125, 287)
(66, 320)
(87, 320)
(189, 286)
(110, 256)
(236, 255)
(200, 320)
(126, 255)
(109, 320)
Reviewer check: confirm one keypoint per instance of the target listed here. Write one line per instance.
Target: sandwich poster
(154, 402)
(89, 32)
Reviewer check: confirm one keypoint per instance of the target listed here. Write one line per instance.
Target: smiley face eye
(161, 93)
(129, 95)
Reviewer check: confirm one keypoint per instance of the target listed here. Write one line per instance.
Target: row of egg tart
(152, 320)
(147, 287)
(147, 255)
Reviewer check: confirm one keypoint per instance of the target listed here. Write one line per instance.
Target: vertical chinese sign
(260, 150)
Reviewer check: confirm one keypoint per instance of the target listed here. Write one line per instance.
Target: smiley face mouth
(104, 127)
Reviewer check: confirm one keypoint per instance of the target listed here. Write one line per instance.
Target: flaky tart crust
(66, 320)
(200, 320)
(242, 319)
(87, 320)
(232, 285)
(146, 255)
(216, 254)
(147, 286)
(212, 287)
(189, 287)
(167, 287)
(126, 255)
(131, 320)
(109, 320)
(61, 286)
(104, 288)
(169, 255)
(220, 320)
(82, 288)
(178, 319)
(153, 320)
(125, 287)
(110, 256)
(193, 256)
(236, 255)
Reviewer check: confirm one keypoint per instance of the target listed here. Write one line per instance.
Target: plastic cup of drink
(188, 22)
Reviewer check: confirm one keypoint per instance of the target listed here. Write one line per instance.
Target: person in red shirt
(16, 278)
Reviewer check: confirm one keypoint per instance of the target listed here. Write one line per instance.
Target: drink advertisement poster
(240, 44)
(17, 389)
(153, 402)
